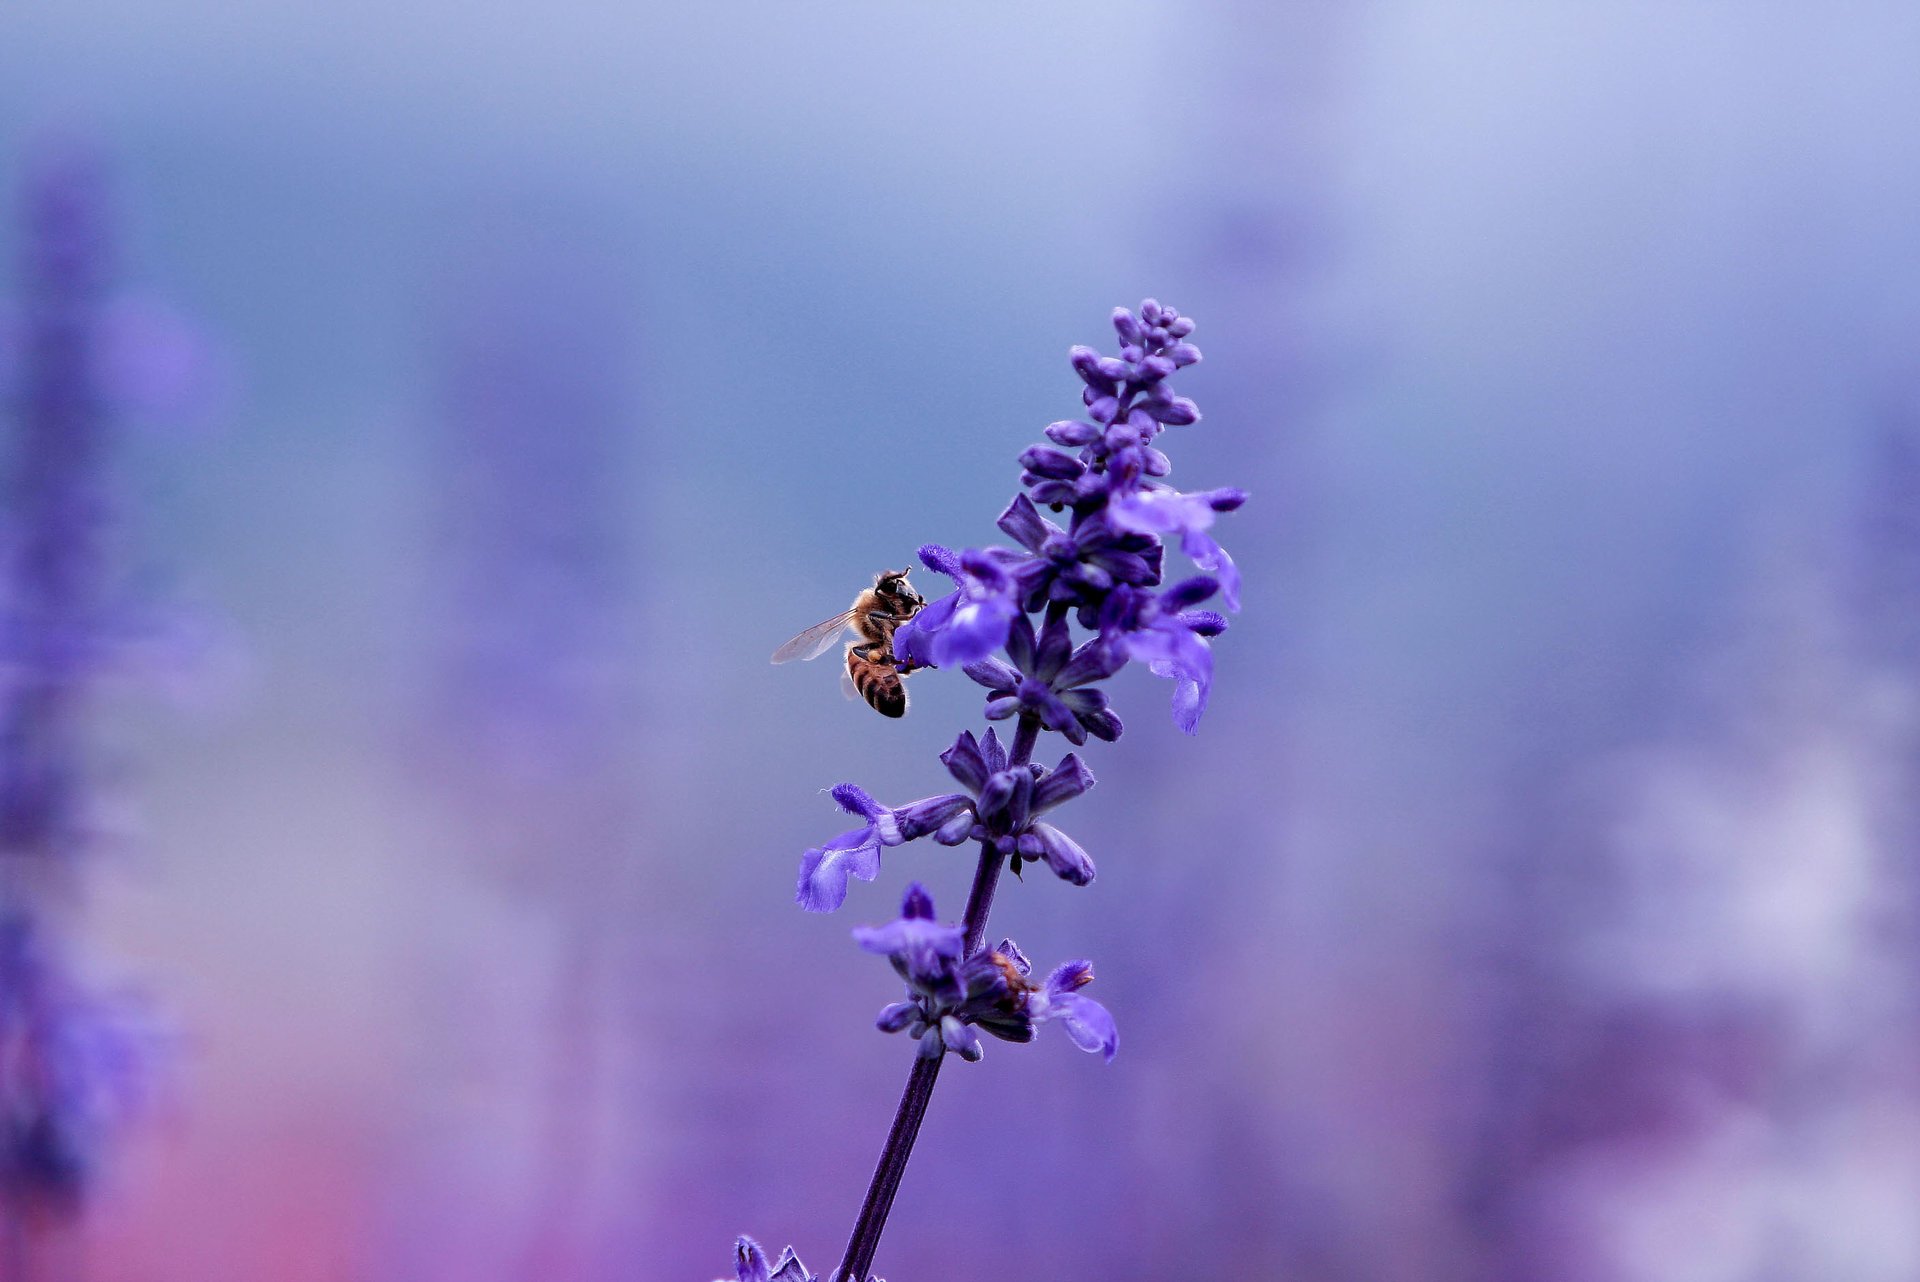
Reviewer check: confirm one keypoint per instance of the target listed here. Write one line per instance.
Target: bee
(872, 670)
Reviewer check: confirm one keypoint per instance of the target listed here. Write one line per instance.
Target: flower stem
(913, 1101)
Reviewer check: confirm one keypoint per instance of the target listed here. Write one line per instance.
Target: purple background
(1539, 898)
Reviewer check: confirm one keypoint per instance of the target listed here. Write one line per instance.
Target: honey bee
(872, 670)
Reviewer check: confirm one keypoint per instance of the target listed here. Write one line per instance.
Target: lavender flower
(948, 996)
(1009, 800)
(1170, 637)
(73, 1070)
(1189, 516)
(50, 636)
(1001, 808)
(1047, 678)
(824, 870)
(966, 624)
(73, 1066)
(1103, 570)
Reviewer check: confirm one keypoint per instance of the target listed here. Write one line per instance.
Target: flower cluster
(1104, 569)
(949, 995)
(1105, 470)
(1001, 807)
(1009, 625)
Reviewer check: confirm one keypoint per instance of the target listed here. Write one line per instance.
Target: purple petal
(1087, 1022)
(993, 752)
(1069, 977)
(1062, 854)
(976, 630)
(790, 1269)
(913, 938)
(1061, 784)
(1086, 363)
(896, 1017)
(919, 818)
(854, 800)
(917, 903)
(1072, 433)
(940, 560)
(961, 1039)
(1023, 523)
(1208, 555)
(913, 641)
(1177, 411)
(1094, 661)
(1189, 664)
(994, 673)
(1188, 593)
(957, 829)
(966, 764)
(749, 1261)
(1154, 368)
(1208, 623)
(1051, 463)
(824, 869)
(1020, 643)
(1056, 643)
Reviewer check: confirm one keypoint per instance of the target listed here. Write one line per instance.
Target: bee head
(894, 583)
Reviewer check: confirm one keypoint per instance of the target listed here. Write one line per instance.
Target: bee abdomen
(879, 685)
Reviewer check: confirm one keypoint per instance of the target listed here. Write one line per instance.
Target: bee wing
(846, 685)
(816, 640)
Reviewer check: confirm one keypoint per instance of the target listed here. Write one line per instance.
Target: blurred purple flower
(74, 1068)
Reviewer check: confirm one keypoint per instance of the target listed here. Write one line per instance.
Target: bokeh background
(498, 384)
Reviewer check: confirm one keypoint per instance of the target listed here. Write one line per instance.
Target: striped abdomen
(878, 682)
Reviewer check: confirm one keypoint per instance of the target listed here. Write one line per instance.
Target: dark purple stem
(913, 1101)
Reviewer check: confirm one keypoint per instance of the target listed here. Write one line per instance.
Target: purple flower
(75, 1069)
(1080, 567)
(1086, 1021)
(921, 948)
(1049, 678)
(1101, 568)
(967, 623)
(1170, 637)
(750, 1264)
(1009, 801)
(824, 870)
(1168, 512)
(948, 998)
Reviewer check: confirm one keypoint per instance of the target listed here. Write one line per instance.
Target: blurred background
(423, 419)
